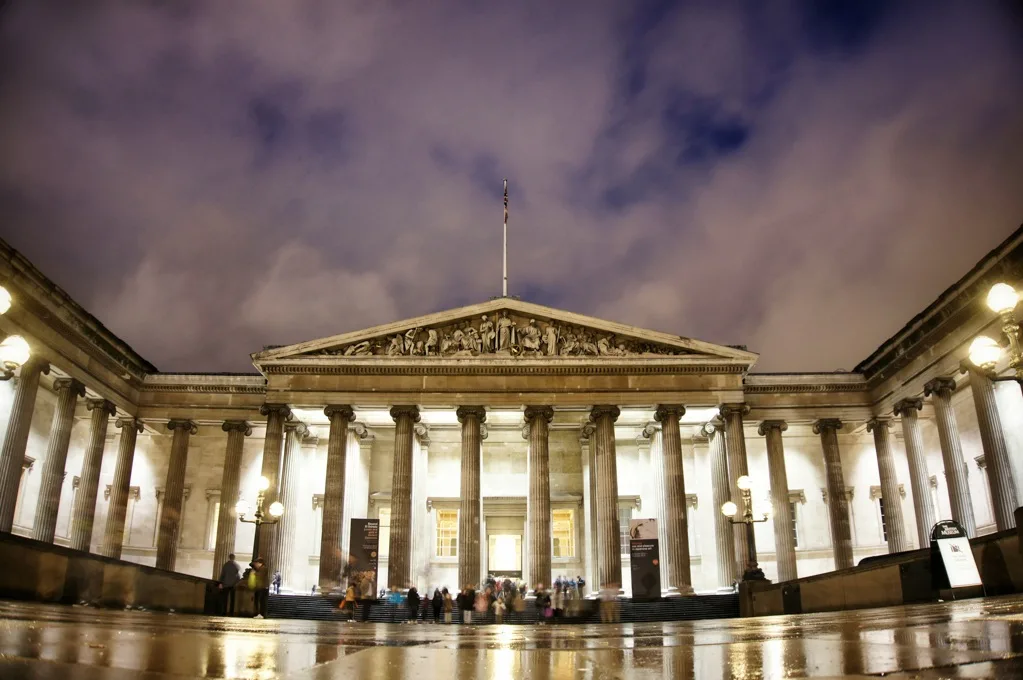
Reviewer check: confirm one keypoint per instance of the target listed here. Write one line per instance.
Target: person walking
(412, 599)
(348, 605)
(259, 584)
(368, 598)
(437, 604)
(230, 574)
(449, 605)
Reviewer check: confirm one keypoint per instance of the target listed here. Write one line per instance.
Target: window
(624, 517)
(214, 521)
(792, 514)
(563, 533)
(384, 515)
(447, 533)
(884, 520)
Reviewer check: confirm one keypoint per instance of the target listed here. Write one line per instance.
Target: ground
(970, 639)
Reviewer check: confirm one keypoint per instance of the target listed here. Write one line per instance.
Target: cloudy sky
(208, 178)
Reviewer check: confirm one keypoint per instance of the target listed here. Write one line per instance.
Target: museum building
(507, 439)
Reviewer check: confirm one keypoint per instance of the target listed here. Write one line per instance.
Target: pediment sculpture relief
(503, 335)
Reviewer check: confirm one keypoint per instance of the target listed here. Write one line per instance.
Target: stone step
(321, 608)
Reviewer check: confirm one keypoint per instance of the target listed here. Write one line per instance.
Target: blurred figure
(259, 583)
(230, 574)
(437, 604)
(449, 605)
(412, 601)
(348, 605)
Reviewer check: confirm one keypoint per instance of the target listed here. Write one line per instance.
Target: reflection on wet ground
(969, 639)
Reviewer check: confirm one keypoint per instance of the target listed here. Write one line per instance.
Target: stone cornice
(205, 384)
(560, 367)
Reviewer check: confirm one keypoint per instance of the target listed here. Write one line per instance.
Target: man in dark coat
(230, 574)
(413, 604)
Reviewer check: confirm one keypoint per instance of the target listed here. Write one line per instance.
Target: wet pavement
(970, 639)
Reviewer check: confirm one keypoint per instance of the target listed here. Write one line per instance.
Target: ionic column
(896, 526)
(724, 533)
(838, 504)
(399, 557)
(45, 526)
(737, 467)
(230, 480)
(605, 458)
(940, 390)
(273, 443)
(676, 518)
(334, 497)
(284, 531)
(538, 418)
(84, 512)
(12, 456)
(174, 494)
(919, 478)
(471, 418)
(996, 456)
(784, 546)
(589, 507)
(113, 533)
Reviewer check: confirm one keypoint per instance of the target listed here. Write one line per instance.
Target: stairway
(321, 608)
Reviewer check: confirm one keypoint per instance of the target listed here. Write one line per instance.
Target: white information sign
(959, 563)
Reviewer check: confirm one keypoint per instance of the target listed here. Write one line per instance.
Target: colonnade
(728, 461)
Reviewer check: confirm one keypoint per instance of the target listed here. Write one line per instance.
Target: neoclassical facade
(506, 438)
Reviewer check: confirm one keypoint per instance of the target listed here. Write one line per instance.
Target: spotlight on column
(729, 509)
(276, 509)
(14, 352)
(5, 300)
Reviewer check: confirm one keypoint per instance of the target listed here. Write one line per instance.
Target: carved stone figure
(604, 346)
(529, 337)
(474, 339)
(504, 331)
(359, 349)
(431, 342)
(488, 337)
(568, 343)
(587, 345)
(447, 345)
(397, 346)
(410, 339)
(550, 340)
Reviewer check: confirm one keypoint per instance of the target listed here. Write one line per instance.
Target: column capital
(822, 425)
(879, 423)
(768, 425)
(237, 426)
(906, 407)
(484, 431)
(423, 432)
(343, 410)
(296, 427)
(281, 410)
(602, 410)
(36, 363)
(362, 432)
(530, 413)
(943, 386)
(478, 412)
(133, 423)
(669, 411)
(102, 404)
(648, 431)
(406, 411)
(733, 409)
(61, 384)
(587, 431)
(180, 424)
(714, 425)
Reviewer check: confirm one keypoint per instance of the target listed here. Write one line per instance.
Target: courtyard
(980, 638)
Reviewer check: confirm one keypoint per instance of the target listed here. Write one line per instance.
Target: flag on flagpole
(506, 201)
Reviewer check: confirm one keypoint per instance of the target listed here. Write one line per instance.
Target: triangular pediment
(505, 328)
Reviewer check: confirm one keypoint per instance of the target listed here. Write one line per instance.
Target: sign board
(364, 550)
(952, 556)
(644, 552)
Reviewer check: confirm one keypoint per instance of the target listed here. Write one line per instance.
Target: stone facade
(629, 370)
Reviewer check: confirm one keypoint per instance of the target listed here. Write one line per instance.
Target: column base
(678, 592)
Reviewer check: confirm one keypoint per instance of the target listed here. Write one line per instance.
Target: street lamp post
(259, 518)
(985, 352)
(729, 510)
(14, 351)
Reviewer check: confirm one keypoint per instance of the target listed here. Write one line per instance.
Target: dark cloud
(209, 178)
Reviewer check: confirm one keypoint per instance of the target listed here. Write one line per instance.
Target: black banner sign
(646, 559)
(364, 549)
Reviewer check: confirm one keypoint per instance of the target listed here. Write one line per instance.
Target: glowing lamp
(14, 352)
(1002, 298)
(276, 509)
(729, 509)
(984, 352)
(5, 300)
(241, 508)
(264, 483)
(744, 483)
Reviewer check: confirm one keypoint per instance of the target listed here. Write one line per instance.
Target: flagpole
(504, 282)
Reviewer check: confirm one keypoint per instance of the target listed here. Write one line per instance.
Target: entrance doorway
(504, 556)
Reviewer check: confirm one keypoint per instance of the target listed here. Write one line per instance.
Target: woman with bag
(449, 605)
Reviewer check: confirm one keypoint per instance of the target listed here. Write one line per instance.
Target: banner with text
(364, 550)
(952, 560)
(644, 552)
